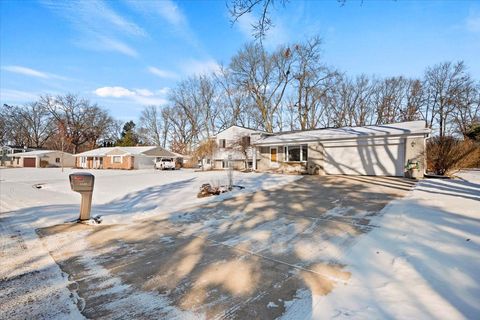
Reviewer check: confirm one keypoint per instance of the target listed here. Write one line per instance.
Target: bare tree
(239, 8)
(467, 111)
(311, 81)
(29, 125)
(444, 85)
(205, 150)
(150, 125)
(83, 122)
(414, 101)
(264, 76)
(242, 144)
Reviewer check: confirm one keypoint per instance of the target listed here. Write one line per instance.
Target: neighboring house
(385, 150)
(122, 157)
(43, 159)
(7, 153)
(182, 159)
(231, 144)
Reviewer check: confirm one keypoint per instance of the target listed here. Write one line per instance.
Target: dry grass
(447, 154)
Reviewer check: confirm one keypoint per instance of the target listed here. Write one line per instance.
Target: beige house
(126, 158)
(385, 150)
(43, 159)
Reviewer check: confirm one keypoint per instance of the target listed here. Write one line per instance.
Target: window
(293, 153)
(296, 153)
(222, 143)
(83, 160)
(57, 160)
(246, 140)
(116, 159)
(304, 153)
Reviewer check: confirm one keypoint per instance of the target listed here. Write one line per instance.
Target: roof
(99, 152)
(143, 150)
(135, 150)
(245, 128)
(36, 153)
(395, 129)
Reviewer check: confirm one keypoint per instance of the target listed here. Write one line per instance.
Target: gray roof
(395, 129)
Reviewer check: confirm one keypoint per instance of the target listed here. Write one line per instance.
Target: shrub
(446, 154)
(43, 163)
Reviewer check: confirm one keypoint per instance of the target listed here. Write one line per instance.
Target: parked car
(165, 164)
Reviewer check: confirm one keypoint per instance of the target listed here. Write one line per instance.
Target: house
(7, 153)
(43, 159)
(384, 150)
(234, 148)
(122, 157)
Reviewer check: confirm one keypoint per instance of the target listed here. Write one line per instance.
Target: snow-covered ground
(422, 263)
(31, 283)
(118, 195)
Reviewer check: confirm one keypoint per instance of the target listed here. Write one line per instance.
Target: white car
(165, 164)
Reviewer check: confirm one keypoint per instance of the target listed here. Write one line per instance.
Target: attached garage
(386, 150)
(365, 157)
(29, 162)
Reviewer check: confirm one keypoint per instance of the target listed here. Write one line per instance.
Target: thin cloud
(17, 96)
(99, 26)
(162, 73)
(200, 67)
(140, 96)
(166, 9)
(169, 12)
(32, 72)
(473, 22)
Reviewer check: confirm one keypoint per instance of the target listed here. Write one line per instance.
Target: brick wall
(125, 164)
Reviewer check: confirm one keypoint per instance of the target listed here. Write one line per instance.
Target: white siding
(143, 162)
(381, 159)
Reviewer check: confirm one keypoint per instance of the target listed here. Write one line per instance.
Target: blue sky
(126, 54)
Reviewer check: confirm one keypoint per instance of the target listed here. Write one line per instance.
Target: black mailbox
(83, 183)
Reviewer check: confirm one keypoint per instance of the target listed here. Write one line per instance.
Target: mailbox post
(82, 182)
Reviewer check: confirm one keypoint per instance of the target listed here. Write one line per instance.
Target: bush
(446, 154)
(43, 163)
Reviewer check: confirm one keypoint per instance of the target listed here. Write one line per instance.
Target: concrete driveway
(259, 256)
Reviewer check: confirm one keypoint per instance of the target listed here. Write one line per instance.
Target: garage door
(374, 160)
(29, 162)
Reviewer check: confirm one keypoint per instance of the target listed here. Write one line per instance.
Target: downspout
(425, 157)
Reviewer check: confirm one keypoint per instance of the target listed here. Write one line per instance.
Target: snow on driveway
(31, 283)
(422, 263)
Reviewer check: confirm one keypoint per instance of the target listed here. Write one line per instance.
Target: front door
(274, 156)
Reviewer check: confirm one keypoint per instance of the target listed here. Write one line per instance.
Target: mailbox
(82, 182)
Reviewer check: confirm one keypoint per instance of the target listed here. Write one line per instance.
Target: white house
(234, 148)
(8, 152)
(386, 150)
(43, 159)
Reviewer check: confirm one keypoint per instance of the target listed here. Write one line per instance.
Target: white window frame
(120, 157)
(286, 152)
